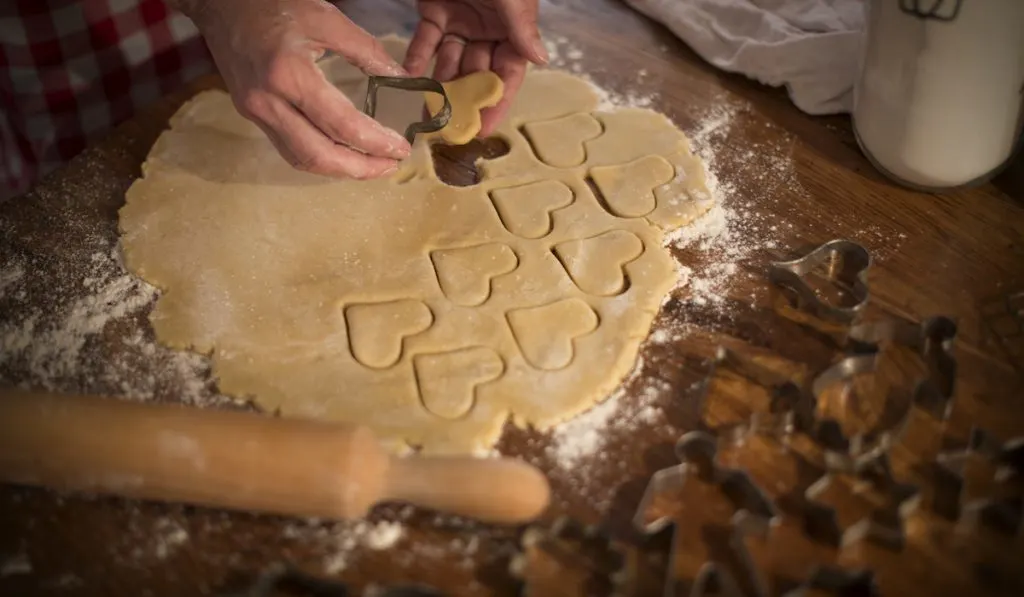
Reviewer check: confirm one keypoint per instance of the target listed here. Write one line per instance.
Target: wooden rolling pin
(244, 461)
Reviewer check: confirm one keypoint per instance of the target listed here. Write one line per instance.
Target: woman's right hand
(266, 52)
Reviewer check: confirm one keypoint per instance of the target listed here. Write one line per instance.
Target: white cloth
(810, 46)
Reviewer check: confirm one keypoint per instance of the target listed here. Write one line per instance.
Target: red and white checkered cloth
(72, 69)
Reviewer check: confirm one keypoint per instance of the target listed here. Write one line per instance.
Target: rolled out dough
(430, 313)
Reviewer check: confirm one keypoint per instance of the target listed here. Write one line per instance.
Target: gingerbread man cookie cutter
(754, 512)
(884, 525)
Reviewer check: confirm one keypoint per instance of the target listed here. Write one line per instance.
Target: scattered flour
(342, 540)
(16, 565)
(736, 228)
(169, 537)
(624, 94)
(64, 582)
(584, 436)
(48, 348)
(713, 248)
(10, 276)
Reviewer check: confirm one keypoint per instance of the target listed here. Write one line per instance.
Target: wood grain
(956, 253)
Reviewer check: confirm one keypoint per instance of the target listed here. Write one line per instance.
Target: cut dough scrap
(561, 142)
(465, 273)
(376, 331)
(448, 381)
(526, 210)
(598, 264)
(546, 333)
(467, 96)
(261, 265)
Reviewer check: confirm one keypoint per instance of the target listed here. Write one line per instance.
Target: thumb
(339, 34)
(520, 16)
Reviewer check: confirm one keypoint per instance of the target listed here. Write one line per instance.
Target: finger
(449, 57)
(477, 57)
(303, 85)
(520, 17)
(335, 115)
(307, 149)
(336, 32)
(422, 48)
(511, 67)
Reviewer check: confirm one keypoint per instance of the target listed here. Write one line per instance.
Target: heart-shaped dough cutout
(376, 330)
(448, 380)
(465, 273)
(598, 264)
(526, 210)
(545, 334)
(561, 142)
(627, 190)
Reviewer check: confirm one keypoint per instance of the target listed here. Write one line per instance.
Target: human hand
(266, 52)
(475, 35)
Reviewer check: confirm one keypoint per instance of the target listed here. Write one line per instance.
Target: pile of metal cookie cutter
(952, 499)
(421, 84)
(791, 410)
(281, 579)
(754, 514)
(568, 558)
(864, 455)
(932, 340)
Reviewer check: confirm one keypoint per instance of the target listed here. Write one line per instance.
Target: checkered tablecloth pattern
(72, 69)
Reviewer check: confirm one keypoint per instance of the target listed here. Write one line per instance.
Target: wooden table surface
(956, 254)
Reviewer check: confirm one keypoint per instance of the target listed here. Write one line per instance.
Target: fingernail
(541, 50)
(396, 70)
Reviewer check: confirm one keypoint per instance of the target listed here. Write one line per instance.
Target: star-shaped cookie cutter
(951, 500)
(848, 263)
(883, 525)
(433, 124)
(754, 513)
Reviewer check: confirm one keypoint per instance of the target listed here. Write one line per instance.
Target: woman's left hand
(467, 36)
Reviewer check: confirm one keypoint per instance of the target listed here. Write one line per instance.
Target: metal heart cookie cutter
(424, 84)
(847, 262)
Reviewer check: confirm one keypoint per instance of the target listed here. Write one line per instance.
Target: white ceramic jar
(939, 102)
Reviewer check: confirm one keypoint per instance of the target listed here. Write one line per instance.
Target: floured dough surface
(430, 313)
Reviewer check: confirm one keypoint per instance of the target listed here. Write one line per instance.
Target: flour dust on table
(431, 313)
